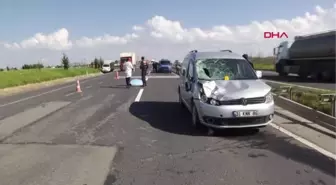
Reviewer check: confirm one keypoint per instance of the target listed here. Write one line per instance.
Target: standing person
(153, 65)
(144, 68)
(128, 67)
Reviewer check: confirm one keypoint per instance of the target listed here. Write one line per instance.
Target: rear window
(106, 65)
(165, 62)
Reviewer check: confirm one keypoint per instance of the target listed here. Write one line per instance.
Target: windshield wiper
(244, 78)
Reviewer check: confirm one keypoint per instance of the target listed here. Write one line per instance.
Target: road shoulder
(315, 136)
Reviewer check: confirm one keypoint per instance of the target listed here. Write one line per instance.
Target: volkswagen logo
(244, 101)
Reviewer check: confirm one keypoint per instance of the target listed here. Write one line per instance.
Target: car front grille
(236, 121)
(256, 100)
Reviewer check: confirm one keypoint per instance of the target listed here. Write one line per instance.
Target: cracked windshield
(216, 69)
(167, 92)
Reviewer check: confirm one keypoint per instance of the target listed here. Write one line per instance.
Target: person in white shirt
(128, 66)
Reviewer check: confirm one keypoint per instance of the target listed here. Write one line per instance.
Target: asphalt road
(294, 79)
(113, 135)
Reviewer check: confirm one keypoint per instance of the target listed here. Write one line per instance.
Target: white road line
(38, 95)
(70, 94)
(88, 86)
(138, 97)
(100, 82)
(304, 141)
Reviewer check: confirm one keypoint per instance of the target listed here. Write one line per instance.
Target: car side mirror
(259, 74)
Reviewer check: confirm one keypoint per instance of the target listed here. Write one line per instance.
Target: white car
(106, 68)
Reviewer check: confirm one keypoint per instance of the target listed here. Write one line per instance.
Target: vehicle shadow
(171, 117)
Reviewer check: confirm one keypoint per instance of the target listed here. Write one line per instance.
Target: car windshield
(106, 65)
(165, 62)
(220, 69)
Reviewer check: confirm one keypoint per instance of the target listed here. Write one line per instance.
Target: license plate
(247, 113)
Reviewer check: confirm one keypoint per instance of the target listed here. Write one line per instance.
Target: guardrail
(284, 99)
(326, 99)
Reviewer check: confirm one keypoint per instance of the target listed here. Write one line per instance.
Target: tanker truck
(307, 56)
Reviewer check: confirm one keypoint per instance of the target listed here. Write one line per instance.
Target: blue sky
(21, 19)
(175, 27)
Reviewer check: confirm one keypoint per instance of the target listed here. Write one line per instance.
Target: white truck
(310, 55)
(125, 56)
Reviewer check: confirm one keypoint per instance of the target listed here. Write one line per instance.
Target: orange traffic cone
(116, 75)
(78, 88)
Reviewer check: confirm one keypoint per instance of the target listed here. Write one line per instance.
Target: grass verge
(263, 63)
(31, 76)
(308, 97)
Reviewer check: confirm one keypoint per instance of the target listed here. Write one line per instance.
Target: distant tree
(101, 62)
(92, 64)
(65, 62)
(33, 66)
(96, 63)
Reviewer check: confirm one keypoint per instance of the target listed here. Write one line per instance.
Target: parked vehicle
(222, 90)
(164, 66)
(106, 68)
(311, 55)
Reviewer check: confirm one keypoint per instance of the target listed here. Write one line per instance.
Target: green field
(266, 63)
(29, 76)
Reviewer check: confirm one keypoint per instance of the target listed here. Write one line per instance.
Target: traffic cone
(78, 88)
(116, 75)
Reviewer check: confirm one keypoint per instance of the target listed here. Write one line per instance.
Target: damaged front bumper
(223, 116)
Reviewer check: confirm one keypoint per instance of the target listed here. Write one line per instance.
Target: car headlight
(269, 97)
(210, 101)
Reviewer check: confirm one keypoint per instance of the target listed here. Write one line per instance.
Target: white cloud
(160, 37)
(58, 40)
(105, 40)
(137, 28)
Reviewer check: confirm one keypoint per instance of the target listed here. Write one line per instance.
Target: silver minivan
(222, 90)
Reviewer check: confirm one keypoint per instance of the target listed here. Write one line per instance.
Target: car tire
(194, 117)
(180, 100)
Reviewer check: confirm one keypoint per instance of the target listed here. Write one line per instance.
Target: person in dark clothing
(144, 68)
(246, 58)
(154, 66)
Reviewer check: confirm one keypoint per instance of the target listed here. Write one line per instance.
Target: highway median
(317, 105)
(308, 97)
